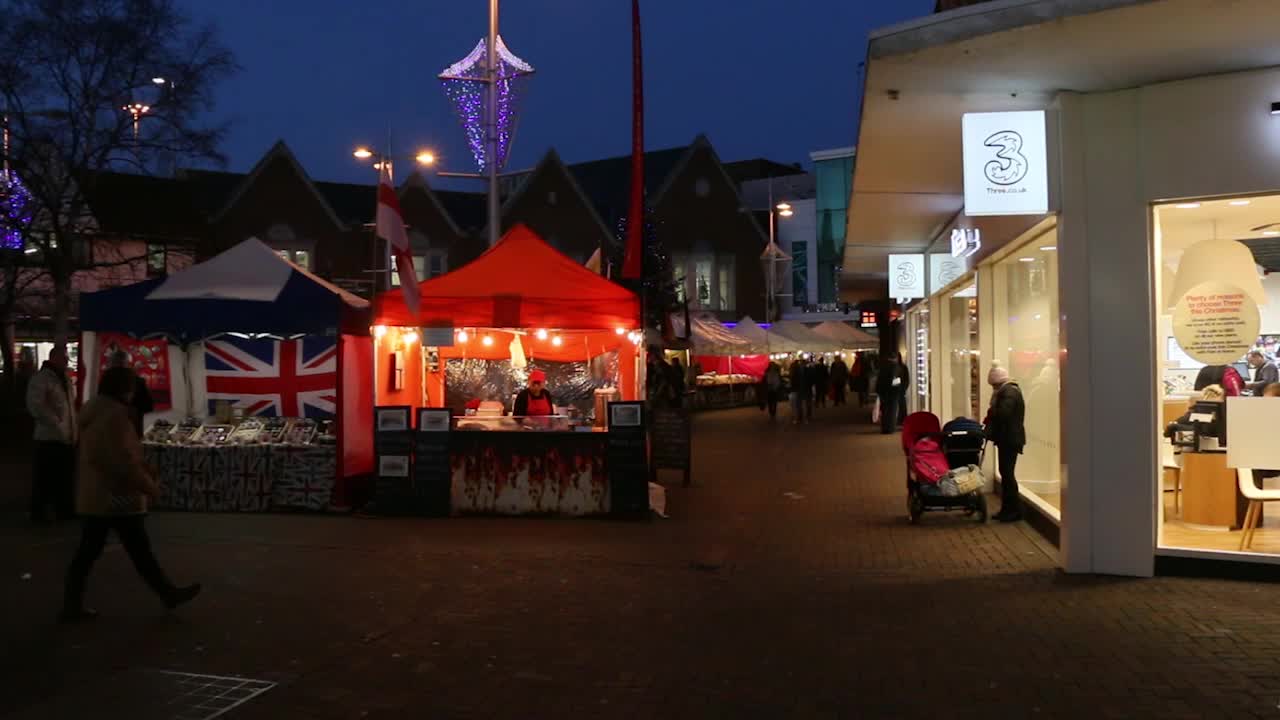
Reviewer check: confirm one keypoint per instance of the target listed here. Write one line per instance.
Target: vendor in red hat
(534, 401)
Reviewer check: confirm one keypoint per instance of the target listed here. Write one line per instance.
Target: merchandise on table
(246, 432)
(301, 431)
(183, 433)
(212, 434)
(161, 431)
(728, 379)
(274, 429)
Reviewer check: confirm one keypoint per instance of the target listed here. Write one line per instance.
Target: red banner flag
(632, 265)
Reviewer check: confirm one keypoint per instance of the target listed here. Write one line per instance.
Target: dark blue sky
(759, 78)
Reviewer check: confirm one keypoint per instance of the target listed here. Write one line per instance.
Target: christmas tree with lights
(659, 287)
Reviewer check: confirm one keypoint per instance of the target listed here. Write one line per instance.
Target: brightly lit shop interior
(1214, 259)
(1005, 311)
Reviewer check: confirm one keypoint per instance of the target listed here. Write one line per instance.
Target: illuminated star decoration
(15, 211)
(464, 85)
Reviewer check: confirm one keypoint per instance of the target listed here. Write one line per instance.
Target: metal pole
(491, 104)
(768, 301)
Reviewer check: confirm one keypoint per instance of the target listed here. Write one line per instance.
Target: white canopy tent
(764, 341)
(810, 340)
(847, 336)
(708, 337)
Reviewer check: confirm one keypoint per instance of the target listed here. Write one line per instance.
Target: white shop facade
(1063, 203)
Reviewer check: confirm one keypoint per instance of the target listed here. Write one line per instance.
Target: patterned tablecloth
(245, 478)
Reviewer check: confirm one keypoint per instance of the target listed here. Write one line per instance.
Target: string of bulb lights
(464, 335)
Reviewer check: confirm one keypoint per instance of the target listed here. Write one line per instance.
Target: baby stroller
(931, 456)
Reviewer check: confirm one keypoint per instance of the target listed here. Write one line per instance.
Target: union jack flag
(274, 378)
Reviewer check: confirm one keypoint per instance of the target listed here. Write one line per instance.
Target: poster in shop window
(148, 358)
(1216, 323)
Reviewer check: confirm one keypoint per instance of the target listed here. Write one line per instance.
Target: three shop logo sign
(965, 242)
(1005, 163)
(906, 276)
(1010, 165)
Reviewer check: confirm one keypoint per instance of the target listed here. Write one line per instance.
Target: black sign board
(393, 460)
(671, 430)
(431, 468)
(627, 459)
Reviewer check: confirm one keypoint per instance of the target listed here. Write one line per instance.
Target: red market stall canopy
(522, 282)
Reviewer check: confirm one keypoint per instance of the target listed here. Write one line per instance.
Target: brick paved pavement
(746, 604)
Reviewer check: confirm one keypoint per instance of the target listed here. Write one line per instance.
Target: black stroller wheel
(982, 508)
(915, 507)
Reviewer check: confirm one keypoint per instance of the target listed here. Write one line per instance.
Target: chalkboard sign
(431, 469)
(671, 439)
(393, 461)
(628, 460)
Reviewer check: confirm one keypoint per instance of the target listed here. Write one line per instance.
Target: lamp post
(386, 161)
(780, 209)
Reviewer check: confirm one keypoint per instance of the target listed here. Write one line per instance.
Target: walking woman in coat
(1006, 428)
(114, 484)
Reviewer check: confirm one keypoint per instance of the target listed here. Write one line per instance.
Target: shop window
(1209, 291)
(964, 362)
(1025, 341)
(437, 263)
(679, 275)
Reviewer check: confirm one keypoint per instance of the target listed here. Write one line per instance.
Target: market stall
(724, 367)
(479, 332)
(260, 375)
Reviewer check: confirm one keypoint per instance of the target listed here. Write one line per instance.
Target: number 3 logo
(1011, 165)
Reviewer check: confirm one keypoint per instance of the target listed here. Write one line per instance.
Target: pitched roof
(143, 205)
(608, 182)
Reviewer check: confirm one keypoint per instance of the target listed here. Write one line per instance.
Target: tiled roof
(608, 182)
(143, 205)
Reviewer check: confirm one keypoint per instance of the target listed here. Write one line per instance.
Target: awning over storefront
(923, 76)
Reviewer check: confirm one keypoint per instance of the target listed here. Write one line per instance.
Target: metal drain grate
(203, 697)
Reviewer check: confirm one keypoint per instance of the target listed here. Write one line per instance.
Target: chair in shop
(1256, 496)
(1172, 462)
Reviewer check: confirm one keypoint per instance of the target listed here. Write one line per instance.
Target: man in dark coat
(801, 392)
(1007, 429)
(819, 379)
(891, 389)
(839, 379)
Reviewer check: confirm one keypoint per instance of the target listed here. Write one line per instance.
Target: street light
(137, 110)
(783, 209)
(380, 162)
(158, 80)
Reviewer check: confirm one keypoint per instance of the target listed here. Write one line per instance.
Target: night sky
(760, 78)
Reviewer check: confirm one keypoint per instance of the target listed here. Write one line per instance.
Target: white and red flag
(390, 227)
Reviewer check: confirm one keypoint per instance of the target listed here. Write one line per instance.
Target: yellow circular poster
(1216, 323)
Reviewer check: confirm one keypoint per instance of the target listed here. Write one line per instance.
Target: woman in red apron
(534, 401)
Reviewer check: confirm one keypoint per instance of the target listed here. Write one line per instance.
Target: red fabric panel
(753, 365)
(553, 291)
(356, 408)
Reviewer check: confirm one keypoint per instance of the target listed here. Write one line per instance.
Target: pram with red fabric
(929, 460)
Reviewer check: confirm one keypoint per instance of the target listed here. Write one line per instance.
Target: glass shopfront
(1025, 340)
(961, 385)
(1217, 343)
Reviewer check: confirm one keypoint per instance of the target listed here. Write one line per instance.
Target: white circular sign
(1216, 323)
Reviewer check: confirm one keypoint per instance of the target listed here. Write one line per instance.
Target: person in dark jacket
(1007, 430)
(891, 389)
(1264, 373)
(801, 392)
(820, 379)
(676, 382)
(142, 402)
(839, 379)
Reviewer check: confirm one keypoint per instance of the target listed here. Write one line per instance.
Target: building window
(419, 266)
(157, 263)
(679, 275)
(301, 258)
(437, 263)
(725, 271)
(703, 277)
(799, 273)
